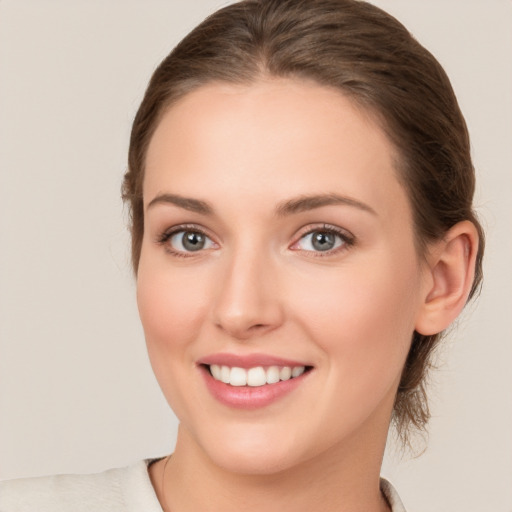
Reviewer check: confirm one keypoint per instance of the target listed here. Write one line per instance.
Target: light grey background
(76, 390)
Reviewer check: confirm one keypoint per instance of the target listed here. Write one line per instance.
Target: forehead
(257, 137)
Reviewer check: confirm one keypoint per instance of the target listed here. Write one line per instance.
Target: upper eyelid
(322, 226)
(348, 239)
(164, 238)
(168, 232)
(310, 228)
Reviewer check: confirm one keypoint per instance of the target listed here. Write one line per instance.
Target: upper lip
(247, 361)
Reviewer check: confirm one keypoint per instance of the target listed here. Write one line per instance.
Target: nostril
(258, 327)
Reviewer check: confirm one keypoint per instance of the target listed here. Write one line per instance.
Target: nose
(248, 303)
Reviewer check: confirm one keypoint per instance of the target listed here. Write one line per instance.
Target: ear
(450, 274)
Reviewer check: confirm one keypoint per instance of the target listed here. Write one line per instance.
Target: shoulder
(122, 489)
(391, 496)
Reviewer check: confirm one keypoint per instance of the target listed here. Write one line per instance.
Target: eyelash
(347, 239)
(164, 238)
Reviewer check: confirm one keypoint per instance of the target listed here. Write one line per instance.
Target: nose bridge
(248, 301)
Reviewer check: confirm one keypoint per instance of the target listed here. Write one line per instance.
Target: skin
(259, 287)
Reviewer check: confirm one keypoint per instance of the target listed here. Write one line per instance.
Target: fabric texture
(116, 490)
(392, 496)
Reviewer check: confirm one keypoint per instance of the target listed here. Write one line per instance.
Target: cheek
(363, 320)
(171, 310)
(168, 302)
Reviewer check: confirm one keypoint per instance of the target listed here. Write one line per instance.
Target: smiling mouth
(254, 377)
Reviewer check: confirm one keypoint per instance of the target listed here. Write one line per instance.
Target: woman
(302, 232)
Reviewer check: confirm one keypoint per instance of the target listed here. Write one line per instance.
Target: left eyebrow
(187, 203)
(305, 203)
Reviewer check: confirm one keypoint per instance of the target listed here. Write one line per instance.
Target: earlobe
(451, 268)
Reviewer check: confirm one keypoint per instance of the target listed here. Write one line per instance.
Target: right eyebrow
(304, 203)
(187, 203)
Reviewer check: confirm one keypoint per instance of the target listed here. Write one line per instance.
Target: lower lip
(248, 397)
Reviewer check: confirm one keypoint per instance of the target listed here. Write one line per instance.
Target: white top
(116, 490)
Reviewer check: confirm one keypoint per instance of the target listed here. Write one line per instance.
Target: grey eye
(190, 241)
(323, 241)
(320, 240)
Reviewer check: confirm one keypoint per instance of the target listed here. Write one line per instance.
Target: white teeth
(297, 371)
(225, 373)
(238, 377)
(216, 371)
(272, 375)
(254, 377)
(285, 373)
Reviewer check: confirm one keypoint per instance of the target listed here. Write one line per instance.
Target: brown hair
(370, 57)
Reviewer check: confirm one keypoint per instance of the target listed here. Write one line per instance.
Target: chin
(252, 462)
(251, 452)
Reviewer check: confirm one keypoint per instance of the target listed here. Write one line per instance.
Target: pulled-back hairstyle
(369, 57)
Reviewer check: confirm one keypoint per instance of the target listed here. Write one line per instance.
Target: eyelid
(346, 236)
(348, 239)
(163, 238)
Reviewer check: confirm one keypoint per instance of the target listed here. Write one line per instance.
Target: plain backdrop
(76, 390)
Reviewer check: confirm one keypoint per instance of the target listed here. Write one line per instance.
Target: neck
(344, 479)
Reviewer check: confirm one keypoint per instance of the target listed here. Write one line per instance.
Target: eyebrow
(290, 207)
(305, 203)
(188, 203)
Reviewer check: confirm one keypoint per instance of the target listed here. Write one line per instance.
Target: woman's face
(277, 240)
